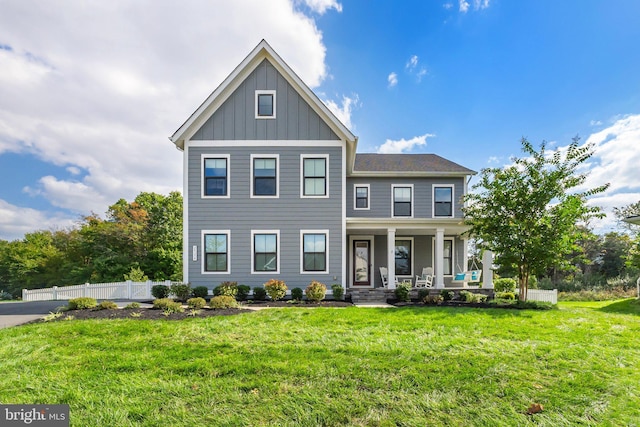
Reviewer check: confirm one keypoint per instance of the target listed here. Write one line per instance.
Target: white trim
(203, 157)
(453, 255)
(251, 177)
(372, 264)
(266, 92)
(355, 187)
(326, 250)
(433, 200)
(343, 200)
(393, 187)
(253, 264)
(204, 251)
(217, 143)
(326, 173)
(413, 245)
(185, 212)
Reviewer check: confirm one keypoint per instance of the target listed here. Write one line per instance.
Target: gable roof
(412, 164)
(262, 51)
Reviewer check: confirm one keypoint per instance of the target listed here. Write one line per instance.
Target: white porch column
(439, 257)
(391, 257)
(487, 272)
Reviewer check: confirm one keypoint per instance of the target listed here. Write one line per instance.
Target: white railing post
(85, 289)
(129, 290)
(148, 291)
(24, 295)
(55, 293)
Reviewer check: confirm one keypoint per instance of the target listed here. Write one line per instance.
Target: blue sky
(89, 94)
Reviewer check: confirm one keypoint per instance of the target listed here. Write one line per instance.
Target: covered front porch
(405, 248)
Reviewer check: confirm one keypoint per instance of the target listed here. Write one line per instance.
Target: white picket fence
(542, 295)
(109, 291)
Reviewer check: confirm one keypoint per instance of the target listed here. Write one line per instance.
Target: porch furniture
(425, 280)
(471, 276)
(384, 274)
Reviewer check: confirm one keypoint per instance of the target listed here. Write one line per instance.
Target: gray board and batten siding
(289, 213)
(235, 119)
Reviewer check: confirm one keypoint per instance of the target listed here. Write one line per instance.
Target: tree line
(138, 239)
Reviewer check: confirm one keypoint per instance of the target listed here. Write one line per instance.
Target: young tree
(528, 213)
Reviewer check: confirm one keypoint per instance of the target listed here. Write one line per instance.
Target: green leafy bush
(402, 291)
(181, 291)
(243, 292)
(223, 301)
(132, 305)
(164, 303)
(276, 289)
(315, 291)
(259, 294)
(422, 294)
(107, 305)
(432, 299)
(136, 275)
(504, 285)
(5, 296)
(296, 294)
(338, 291)
(465, 296)
(200, 292)
(447, 295)
(196, 302)
(160, 291)
(82, 303)
(505, 295)
(226, 288)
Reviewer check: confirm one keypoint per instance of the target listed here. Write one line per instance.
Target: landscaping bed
(140, 313)
(290, 303)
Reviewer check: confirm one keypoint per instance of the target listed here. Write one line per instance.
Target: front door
(361, 263)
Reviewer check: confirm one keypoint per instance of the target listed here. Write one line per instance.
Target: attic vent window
(265, 104)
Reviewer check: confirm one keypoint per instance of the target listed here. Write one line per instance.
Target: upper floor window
(215, 176)
(265, 104)
(314, 251)
(443, 201)
(265, 251)
(402, 200)
(361, 196)
(314, 176)
(216, 251)
(264, 182)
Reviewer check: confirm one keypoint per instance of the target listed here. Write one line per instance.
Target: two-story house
(274, 188)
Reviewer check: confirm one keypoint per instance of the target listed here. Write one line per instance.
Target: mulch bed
(261, 304)
(146, 314)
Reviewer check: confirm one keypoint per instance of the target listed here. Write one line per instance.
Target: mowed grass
(352, 366)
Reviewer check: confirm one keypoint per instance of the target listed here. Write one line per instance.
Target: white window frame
(265, 92)
(326, 250)
(326, 172)
(453, 254)
(253, 252)
(252, 178)
(204, 251)
(413, 245)
(433, 200)
(355, 198)
(203, 157)
(393, 187)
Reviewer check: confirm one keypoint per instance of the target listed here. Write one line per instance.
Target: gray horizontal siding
(380, 196)
(235, 118)
(289, 213)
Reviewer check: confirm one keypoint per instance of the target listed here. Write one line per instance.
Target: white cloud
(595, 123)
(421, 74)
(343, 111)
(447, 6)
(480, 4)
(16, 221)
(412, 63)
(464, 6)
(105, 103)
(493, 160)
(392, 79)
(403, 145)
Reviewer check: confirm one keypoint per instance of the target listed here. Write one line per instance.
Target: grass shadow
(627, 306)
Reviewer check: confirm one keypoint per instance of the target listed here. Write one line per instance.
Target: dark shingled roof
(427, 163)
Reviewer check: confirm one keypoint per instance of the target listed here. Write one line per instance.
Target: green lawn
(353, 366)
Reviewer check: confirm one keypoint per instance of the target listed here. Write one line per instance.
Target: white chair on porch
(425, 280)
(384, 275)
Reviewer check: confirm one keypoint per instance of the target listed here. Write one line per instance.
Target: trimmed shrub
(447, 295)
(82, 303)
(5, 296)
(259, 294)
(107, 305)
(229, 289)
(223, 301)
(243, 292)
(276, 289)
(132, 305)
(162, 303)
(402, 291)
(181, 291)
(504, 285)
(338, 291)
(200, 292)
(432, 299)
(465, 296)
(196, 302)
(296, 294)
(505, 295)
(315, 291)
(160, 291)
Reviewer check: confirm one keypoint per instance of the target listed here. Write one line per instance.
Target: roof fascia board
(401, 174)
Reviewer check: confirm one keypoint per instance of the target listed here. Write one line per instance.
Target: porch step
(376, 295)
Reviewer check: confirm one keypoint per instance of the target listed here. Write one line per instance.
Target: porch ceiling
(413, 226)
